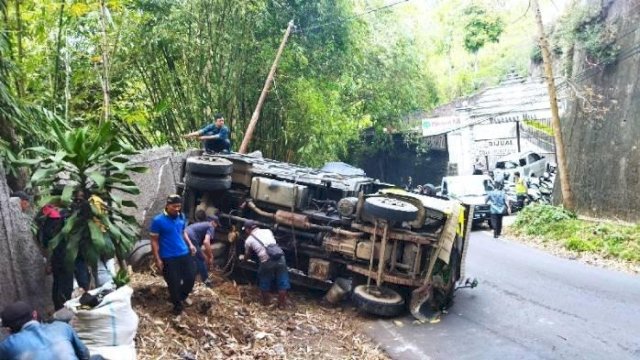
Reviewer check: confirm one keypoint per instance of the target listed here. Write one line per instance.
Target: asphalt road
(528, 305)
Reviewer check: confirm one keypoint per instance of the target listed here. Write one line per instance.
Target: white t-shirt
(266, 237)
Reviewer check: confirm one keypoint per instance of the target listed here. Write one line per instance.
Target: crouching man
(30, 339)
(271, 269)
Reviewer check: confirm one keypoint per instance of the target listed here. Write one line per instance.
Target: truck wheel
(390, 209)
(210, 183)
(378, 300)
(209, 165)
(141, 257)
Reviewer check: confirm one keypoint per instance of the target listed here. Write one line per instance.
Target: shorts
(271, 271)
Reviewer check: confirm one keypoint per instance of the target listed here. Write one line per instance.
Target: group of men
(179, 255)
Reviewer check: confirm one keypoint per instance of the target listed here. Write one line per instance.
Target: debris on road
(228, 321)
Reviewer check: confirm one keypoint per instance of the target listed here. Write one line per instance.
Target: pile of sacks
(108, 325)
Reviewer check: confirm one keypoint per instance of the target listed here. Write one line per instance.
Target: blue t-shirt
(198, 231)
(169, 231)
(211, 129)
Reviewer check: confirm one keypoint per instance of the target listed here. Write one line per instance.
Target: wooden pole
(267, 84)
(563, 170)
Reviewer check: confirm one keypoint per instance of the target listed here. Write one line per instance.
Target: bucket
(337, 292)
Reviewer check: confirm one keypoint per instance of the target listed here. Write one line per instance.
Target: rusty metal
(418, 297)
(259, 211)
(417, 262)
(292, 219)
(373, 246)
(382, 259)
(421, 239)
(393, 279)
(394, 255)
(321, 269)
(340, 244)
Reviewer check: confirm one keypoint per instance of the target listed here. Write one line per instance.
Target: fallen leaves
(229, 322)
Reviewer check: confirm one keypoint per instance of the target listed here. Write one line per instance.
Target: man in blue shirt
(30, 339)
(201, 233)
(215, 136)
(174, 252)
(499, 206)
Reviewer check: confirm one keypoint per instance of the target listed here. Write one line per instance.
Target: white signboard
(494, 131)
(498, 147)
(440, 125)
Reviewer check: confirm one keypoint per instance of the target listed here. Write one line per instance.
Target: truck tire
(390, 209)
(378, 300)
(209, 165)
(208, 183)
(141, 257)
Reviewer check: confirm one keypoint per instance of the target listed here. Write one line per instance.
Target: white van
(526, 163)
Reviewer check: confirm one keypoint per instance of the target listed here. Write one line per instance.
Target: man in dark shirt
(30, 339)
(215, 136)
(174, 252)
(201, 234)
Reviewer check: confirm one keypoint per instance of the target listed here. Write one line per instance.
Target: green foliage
(539, 126)
(90, 160)
(480, 28)
(585, 26)
(536, 54)
(558, 225)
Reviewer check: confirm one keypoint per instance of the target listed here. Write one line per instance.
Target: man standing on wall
(215, 136)
(174, 252)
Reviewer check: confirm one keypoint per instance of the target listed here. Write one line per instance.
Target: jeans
(273, 271)
(180, 275)
(82, 274)
(496, 223)
(201, 265)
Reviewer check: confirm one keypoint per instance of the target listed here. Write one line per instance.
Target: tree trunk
(105, 61)
(563, 170)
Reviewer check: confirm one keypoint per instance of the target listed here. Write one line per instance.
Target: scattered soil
(558, 249)
(228, 321)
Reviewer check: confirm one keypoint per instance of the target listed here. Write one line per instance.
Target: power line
(350, 18)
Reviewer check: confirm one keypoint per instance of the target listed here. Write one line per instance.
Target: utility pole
(267, 84)
(563, 169)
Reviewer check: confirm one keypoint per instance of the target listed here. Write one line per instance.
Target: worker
(271, 269)
(174, 252)
(521, 189)
(201, 234)
(31, 339)
(215, 136)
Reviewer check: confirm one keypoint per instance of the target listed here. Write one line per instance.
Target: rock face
(155, 185)
(602, 123)
(22, 268)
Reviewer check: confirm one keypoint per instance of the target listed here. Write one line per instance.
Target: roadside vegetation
(556, 225)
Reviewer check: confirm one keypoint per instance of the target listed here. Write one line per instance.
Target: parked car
(526, 163)
(470, 190)
(333, 225)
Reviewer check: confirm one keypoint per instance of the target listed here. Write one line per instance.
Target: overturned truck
(398, 248)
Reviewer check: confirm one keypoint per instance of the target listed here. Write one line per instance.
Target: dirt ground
(229, 322)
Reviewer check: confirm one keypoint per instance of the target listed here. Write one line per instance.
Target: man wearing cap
(201, 233)
(174, 252)
(30, 339)
(269, 271)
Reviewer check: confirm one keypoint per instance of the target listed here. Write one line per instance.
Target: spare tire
(209, 165)
(378, 300)
(141, 257)
(208, 183)
(390, 209)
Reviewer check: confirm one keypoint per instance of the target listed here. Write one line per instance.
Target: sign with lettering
(496, 147)
(440, 125)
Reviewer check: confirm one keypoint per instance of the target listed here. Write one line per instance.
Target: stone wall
(601, 127)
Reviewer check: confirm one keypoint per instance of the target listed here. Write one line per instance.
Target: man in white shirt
(270, 270)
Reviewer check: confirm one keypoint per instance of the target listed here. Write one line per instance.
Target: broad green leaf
(98, 178)
(97, 236)
(67, 193)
